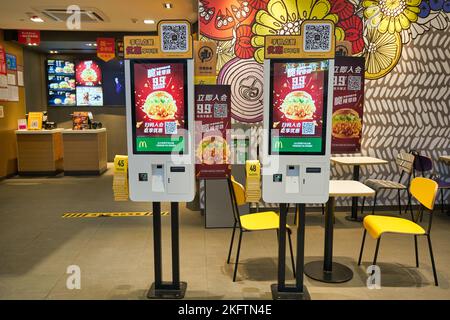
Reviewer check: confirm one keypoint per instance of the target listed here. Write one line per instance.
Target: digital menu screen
(88, 77)
(159, 106)
(61, 82)
(89, 96)
(298, 99)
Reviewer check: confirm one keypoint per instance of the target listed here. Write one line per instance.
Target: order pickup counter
(85, 151)
(39, 152)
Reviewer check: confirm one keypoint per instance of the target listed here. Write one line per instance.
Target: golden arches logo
(142, 144)
(278, 145)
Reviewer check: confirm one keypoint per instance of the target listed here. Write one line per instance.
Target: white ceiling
(14, 14)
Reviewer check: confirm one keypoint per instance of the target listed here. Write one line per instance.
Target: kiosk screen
(159, 106)
(298, 100)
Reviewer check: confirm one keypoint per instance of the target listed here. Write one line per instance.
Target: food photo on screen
(89, 96)
(159, 99)
(298, 107)
(61, 83)
(88, 73)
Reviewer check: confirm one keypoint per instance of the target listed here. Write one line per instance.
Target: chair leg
(399, 203)
(323, 209)
(362, 207)
(417, 251)
(231, 243)
(432, 261)
(292, 253)
(237, 256)
(362, 247)
(442, 200)
(376, 252)
(374, 202)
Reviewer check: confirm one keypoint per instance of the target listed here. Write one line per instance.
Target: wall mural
(406, 45)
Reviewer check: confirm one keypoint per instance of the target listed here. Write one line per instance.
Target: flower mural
(391, 15)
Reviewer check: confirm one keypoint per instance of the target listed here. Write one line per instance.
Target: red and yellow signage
(106, 48)
(3, 70)
(29, 37)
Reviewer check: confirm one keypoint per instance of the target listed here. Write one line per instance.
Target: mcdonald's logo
(278, 145)
(142, 144)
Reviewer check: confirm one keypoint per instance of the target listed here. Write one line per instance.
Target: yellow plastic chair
(268, 220)
(424, 191)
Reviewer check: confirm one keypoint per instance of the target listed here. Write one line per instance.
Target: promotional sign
(174, 40)
(11, 61)
(3, 64)
(205, 58)
(106, 48)
(212, 131)
(348, 105)
(160, 104)
(34, 121)
(29, 37)
(80, 120)
(297, 100)
(88, 76)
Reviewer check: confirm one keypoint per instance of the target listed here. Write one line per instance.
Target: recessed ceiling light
(149, 21)
(167, 5)
(36, 19)
(53, 51)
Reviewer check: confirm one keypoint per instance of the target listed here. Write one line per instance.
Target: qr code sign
(170, 127)
(354, 83)
(308, 128)
(174, 37)
(220, 110)
(317, 37)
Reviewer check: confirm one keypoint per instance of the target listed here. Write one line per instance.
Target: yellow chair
(268, 220)
(424, 191)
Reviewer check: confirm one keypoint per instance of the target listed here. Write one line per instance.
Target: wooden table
(85, 151)
(445, 158)
(326, 270)
(356, 162)
(39, 152)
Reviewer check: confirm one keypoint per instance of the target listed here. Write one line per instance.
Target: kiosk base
(290, 293)
(339, 273)
(167, 291)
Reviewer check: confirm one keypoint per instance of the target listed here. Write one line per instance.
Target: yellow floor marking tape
(111, 214)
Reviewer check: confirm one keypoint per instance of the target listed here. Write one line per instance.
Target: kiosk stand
(298, 97)
(159, 74)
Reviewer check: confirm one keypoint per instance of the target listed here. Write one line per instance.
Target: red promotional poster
(29, 37)
(106, 48)
(160, 103)
(298, 107)
(212, 131)
(88, 73)
(3, 70)
(348, 105)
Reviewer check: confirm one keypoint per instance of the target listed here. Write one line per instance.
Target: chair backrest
(424, 190)
(239, 192)
(423, 164)
(405, 161)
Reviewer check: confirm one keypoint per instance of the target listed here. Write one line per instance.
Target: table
(445, 158)
(327, 270)
(85, 151)
(39, 152)
(356, 162)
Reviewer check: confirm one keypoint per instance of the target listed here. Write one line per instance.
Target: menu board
(61, 82)
(159, 100)
(298, 100)
(348, 102)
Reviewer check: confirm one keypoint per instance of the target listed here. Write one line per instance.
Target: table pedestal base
(339, 273)
(351, 218)
(167, 291)
(289, 294)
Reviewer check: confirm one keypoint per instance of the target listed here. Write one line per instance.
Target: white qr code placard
(308, 128)
(174, 37)
(317, 37)
(170, 127)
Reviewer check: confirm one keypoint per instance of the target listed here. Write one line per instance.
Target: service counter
(85, 151)
(39, 152)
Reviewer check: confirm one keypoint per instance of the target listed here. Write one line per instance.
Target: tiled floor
(116, 254)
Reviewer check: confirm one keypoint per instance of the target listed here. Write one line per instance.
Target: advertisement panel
(348, 105)
(159, 106)
(298, 100)
(212, 131)
(106, 48)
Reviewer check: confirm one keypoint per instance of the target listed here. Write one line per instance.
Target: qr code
(308, 128)
(174, 37)
(317, 37)
(220, 111)
(354, 83)
(170, 127)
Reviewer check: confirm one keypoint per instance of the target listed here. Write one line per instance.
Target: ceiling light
(91, 44)
(149, 21)
(167, 5)
(53, 51)
(36, 19)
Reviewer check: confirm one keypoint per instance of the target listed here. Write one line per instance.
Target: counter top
(71, 131)
(39, 131)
